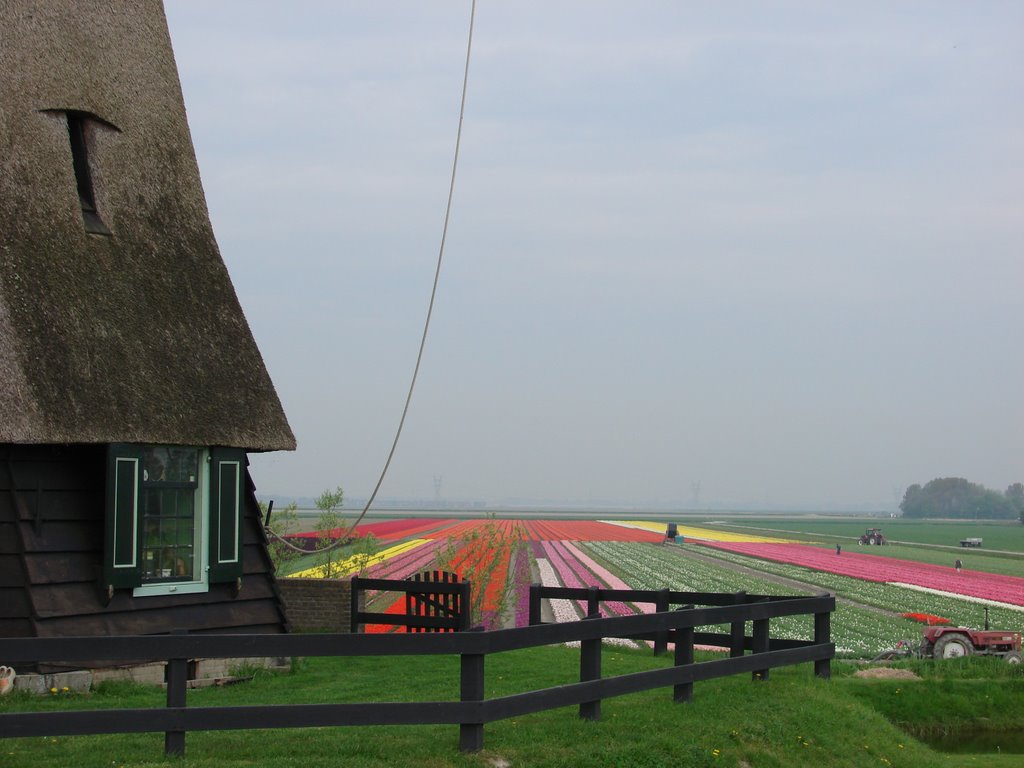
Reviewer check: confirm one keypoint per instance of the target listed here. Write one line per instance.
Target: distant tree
(333, 556)
(328, 555)
(957, 498)
(285, 521)
(1015, 495)
(911, 500)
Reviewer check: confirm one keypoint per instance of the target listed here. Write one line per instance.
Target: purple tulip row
(521, 577)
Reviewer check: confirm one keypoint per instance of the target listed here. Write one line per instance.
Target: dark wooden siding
(51, 556)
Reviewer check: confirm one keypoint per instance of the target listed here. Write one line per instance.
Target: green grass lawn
(793, 719)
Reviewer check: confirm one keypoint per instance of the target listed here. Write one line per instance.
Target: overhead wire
(430, 309)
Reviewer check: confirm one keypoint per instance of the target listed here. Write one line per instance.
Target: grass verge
(793, 719)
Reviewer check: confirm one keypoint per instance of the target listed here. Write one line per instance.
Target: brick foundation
(202, 672)
(317, 605)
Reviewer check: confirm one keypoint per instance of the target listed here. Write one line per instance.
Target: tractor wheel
(953, 647)
(1012, 657)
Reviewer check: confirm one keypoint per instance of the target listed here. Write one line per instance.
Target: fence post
(534, 604)
(414, 606)
(736, 636)
(683, 692)
(465, 606)
(593, 603)
(354, 593)
(823, 635)
(661, 639)
(760, 644)
(590, 659)
(177, 681)
(471, 684)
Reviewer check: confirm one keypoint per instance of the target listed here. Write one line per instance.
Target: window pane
(169, 464)
(170, 505)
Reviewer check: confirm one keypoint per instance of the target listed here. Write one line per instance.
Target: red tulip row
(545, 530)
(463, 530)
(584, 530)
(392, 530)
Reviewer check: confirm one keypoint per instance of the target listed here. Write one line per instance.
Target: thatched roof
(136, 336)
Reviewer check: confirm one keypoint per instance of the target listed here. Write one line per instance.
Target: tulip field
(880, 600)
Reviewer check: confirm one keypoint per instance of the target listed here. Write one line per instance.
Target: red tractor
(938, 642)
(956, 642)
(872, 536)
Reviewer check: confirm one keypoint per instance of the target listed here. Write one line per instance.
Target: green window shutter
(227, 511)
(122, 529)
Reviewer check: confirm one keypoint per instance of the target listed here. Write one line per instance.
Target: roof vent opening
(78, 134)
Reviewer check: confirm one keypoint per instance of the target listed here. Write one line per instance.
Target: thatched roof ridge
(137, 336)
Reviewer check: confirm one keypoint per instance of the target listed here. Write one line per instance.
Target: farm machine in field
(872, 536)
(938, 642)
(957, 642)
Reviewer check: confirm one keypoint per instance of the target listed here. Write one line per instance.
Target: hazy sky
(776, 248)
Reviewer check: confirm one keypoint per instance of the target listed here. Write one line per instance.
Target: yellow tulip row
(704, 534)
(356, 563)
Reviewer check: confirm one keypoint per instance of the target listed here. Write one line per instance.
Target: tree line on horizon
(957, 498)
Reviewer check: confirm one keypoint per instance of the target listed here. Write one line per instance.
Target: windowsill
(171, 588)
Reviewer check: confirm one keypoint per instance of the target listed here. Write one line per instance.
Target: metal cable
(430, 307)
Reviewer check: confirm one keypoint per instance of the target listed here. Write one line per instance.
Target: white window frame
(201, 580)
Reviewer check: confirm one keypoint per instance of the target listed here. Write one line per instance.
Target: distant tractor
(872, 536)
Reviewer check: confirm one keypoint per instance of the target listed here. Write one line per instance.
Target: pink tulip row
(573, 571)
(565, 574)
(878, 568)
(610, 580)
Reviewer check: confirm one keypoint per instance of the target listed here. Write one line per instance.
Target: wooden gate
(435, 601)
(437, 604)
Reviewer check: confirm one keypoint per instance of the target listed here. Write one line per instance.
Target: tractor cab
(872, 536)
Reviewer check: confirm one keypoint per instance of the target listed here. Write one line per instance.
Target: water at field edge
(977, 742)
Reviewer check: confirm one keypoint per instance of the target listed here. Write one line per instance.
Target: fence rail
(470, 713)
(662, 600)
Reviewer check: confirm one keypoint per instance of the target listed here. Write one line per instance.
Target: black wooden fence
(470, 713)
(662, 600)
